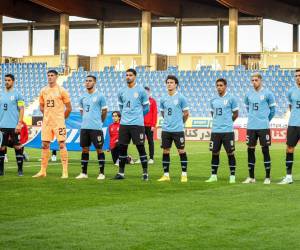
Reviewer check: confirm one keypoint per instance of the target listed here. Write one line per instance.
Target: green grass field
(52, 213)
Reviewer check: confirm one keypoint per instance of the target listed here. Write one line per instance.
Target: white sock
(166, 174)
(184, 173)
(289, 176)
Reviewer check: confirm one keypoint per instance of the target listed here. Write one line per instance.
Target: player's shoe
(20, 173)
(267, 181)
(119, 177)
(53, 158)
(137, 161)
(183, 178)
(145, 177)
(249, 181)
(151, 161)
(164, 178)
(286, 180)
(231, 179)
(117, 163)
(212, 178)
(39, 175)
(82, 176)
(5, 158)
(101, 177)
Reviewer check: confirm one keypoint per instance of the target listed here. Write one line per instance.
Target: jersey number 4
(128, 104)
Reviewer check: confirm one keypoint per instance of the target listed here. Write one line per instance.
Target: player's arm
(161, 108)
(211, 108)
(42, 103)
(145, 103)
(272, 106)
(120, 102)
(103, 109)
(185, 109)
(154, 113)
(68, 109)
(234, 109)
(81, 106)
(186, 114)
(289, 97)
(246, 102)
(21, 115)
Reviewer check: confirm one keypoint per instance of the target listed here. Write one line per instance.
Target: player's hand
(18, 128)
(152, 128)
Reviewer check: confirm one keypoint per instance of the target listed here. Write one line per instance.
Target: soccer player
(260, 104)
(134, 104)
(224, 110)
(293, 131)
(175, 111)
(93, 109)
(150, 121)
(114, 139)
(11, 117)
(56, 106)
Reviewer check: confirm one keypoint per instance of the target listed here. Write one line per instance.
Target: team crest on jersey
(262, 97)
(99, 138)
(94, 99)
(136, 95)
(225, 102)
(176, 102)
(12, 98)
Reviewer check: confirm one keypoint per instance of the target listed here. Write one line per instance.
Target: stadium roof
(127, 10)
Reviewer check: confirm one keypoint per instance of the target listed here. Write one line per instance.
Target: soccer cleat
(145, 177)
(184, 178)
(39, 175)
(286, 180)
(82, 176)
(5, 158)
(101, 177)
(231, 179)
(151, 161)
(53, 158)
(119, 177)
(137, 161)
(212, 178)
(164, 178)
(20, 173)
(267, 181)
(249, 180)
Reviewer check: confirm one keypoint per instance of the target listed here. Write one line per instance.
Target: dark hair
(94, 77)
(172, 77)
(297, 70)
(133, 71)
(147, 88)
(117, 112)
(52, 71)
(11, 76)
(222, 80)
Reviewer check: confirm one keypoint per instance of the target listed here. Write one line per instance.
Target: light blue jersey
(92, 106)
(294, 100)
(259, 105)
(132, 103)
(10, 101)
(173, 106)
(222, 108)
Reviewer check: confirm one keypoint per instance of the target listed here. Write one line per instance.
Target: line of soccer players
(133, 102)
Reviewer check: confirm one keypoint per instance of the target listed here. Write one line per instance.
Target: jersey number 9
(5, 106)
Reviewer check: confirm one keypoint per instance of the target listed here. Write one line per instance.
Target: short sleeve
(65, 96)
(103, 104)
(144, 97)
(271, 99)
(120, 101)
(211, 105)
(184, 104)
(81, 103)
(20, 100)
(234, 104)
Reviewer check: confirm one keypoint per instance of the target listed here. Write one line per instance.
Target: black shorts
(263, 135)
(10, 137)
(219, 139)
(131, 132)
(168, 137)
(89, 136)
(293, 136)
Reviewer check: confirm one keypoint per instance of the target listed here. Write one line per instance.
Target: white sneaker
(117, 163)
(53, 158)
(137, 161)
(267, 181)
(82, 176)
(101, 177)
(150, 161)
(249, 180)
(286, 180)
(132, 161)
(5, 158)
